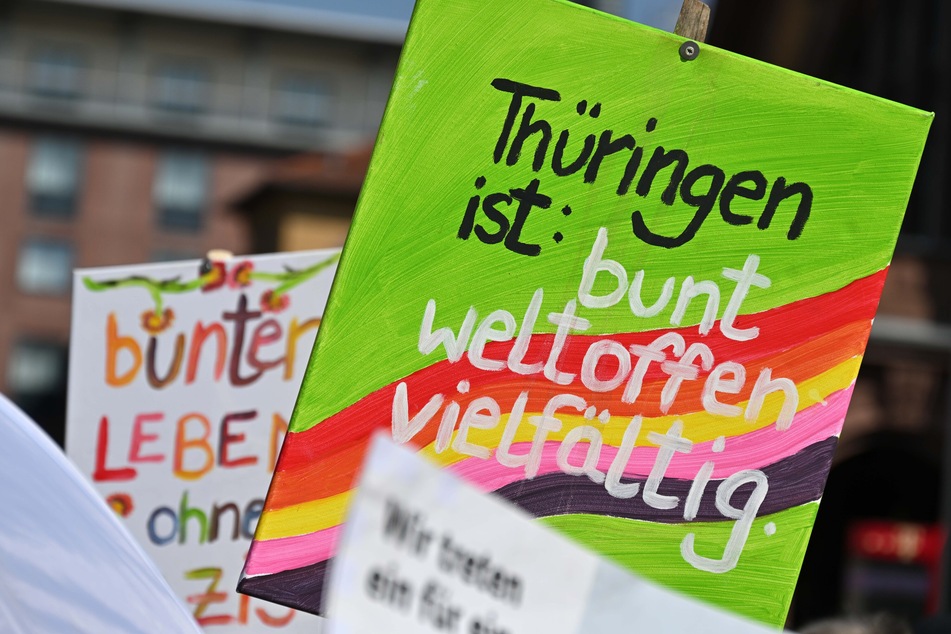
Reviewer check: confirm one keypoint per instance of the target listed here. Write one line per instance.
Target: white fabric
(66, 562)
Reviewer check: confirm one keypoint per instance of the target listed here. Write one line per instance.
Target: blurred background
(151, 130)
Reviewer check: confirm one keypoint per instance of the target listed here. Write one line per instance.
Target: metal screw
(689, 51)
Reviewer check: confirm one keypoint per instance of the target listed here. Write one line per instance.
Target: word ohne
(164, 524)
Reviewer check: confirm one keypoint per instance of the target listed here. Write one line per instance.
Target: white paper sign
(182, 379)
(66, 563)
(422, 552)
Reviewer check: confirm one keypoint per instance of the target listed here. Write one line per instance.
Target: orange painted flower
(273, 303)
(121, 503)
(214, 275)
(240, 275)
(154, 323)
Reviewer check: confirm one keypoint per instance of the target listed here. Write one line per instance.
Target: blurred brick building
(131, 129)
(128, 127)
(305, 201)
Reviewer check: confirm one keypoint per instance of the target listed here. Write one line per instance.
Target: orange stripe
(334, 470)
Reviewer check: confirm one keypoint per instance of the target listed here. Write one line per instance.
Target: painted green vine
(213, 275)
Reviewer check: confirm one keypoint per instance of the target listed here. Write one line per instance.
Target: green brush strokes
(653, 551)
(858, 153)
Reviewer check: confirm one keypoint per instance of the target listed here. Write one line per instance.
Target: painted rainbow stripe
(815, 342)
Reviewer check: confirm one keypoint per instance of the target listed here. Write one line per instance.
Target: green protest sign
(627, 292)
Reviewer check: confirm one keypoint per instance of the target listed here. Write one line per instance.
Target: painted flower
(213, 274)
(273, 303)
(240, 275)
(121, 503)
(154, 323)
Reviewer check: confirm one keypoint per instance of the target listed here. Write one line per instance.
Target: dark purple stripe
(793, 481)
(301, 588)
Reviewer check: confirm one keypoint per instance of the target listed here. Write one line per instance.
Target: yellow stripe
(698, 426)
(301, 519)
(317, 515)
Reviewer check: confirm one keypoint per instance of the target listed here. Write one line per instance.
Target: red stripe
(781, 329)
(798, 341)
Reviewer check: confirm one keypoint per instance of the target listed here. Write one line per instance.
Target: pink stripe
(750, 451)
(287, 553)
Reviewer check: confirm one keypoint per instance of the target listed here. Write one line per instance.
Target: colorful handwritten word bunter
(627, 292)
(183, 377)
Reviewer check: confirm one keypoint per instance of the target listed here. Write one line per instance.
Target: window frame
(291, 85)
(57, 71)
(191, 76)
(185, 217)
(23, 279)
(55, 204)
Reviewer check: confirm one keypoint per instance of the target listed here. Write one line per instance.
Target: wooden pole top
(693, 21)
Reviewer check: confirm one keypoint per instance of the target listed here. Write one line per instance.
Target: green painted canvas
(626, 291)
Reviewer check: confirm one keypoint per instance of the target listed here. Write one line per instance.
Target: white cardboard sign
(423, 552)
(182, 379)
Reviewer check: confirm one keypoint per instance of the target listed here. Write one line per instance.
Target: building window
(181, 87)
(57, 72)
(45, 266)
(36, 381)
(180, 189)
(53, 176)
(301, 100)
(36, 368)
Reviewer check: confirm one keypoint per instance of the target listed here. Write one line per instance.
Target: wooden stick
(693, 21)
